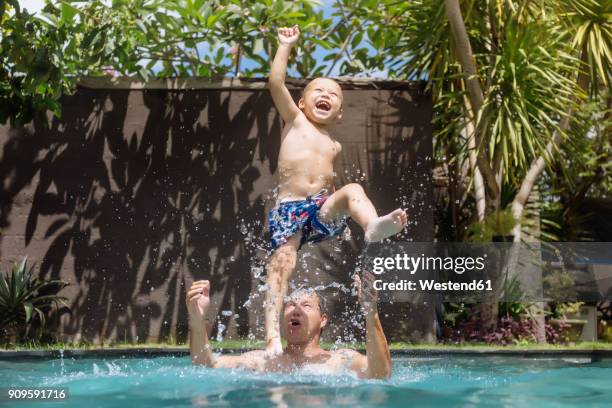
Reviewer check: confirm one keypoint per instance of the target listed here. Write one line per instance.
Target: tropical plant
(565, 310)
(497, 224)
(466, 328)
(25, 302)
(512, 300)
(453, 313)
(582, 170)
(506, 78)
(559, 285)
(586, 24)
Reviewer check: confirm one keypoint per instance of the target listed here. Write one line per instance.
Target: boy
(305, 212)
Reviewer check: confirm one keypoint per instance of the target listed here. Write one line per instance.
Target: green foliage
(581, 169)
(529, 55)
(567, 309)
(33, 68)
(530, 88)
(588, 21)
(457, 312)
(25, 301)
(42, 56)
(512, 302)
(559, 286)
(499, 223)
(155, 38)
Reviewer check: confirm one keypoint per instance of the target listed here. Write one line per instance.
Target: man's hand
(288, 35)
(198, 300)
(368, 298)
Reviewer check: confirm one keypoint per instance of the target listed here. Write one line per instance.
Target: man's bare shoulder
(347, 353)
(353, 360)
(252, 360)
(254, 355)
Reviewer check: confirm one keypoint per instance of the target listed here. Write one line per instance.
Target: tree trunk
(492, 189)
(489, 306)
(465, 56)
(536, 310)
(489, 309)
(479, 188)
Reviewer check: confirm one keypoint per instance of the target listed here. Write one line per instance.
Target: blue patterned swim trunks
(289, 217)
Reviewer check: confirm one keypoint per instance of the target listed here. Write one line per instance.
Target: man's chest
(328, 365)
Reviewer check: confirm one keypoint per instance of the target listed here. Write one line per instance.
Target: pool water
(420, 382)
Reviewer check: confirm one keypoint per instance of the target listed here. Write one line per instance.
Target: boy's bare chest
(309, 142)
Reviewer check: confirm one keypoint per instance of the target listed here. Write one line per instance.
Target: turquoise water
(419, 382)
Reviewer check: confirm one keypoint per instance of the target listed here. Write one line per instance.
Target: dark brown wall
(133, 194)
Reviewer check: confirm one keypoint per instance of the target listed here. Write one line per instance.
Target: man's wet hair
(322, 300)
(308, 291)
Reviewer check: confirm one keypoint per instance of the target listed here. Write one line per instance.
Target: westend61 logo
(567, 271)
(411, 264)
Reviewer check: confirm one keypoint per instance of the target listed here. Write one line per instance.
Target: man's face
(322, 101)
(302, 317)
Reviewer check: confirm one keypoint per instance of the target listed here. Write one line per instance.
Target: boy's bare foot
(274, 347)
(385, 226)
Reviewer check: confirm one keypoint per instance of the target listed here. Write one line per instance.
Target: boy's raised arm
(280, 94)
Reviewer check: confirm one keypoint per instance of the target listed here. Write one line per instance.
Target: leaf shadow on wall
(143, 213)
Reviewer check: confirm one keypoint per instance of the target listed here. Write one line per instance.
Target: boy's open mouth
(323, 105)
(294, 322)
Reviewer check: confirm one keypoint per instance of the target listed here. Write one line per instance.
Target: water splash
(220, 329)
(61, 352)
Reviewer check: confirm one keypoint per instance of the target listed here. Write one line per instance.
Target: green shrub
(499, 223)
(25, 302)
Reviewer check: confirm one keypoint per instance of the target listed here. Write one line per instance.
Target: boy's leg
(279, 267)
(351, 200)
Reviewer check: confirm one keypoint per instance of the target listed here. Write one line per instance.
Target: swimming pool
(420, 382)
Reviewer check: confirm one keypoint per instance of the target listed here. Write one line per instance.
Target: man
(303, 321)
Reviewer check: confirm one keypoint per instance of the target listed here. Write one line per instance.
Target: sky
(32, 5)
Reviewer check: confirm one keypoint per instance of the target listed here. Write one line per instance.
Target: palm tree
(506, 77)
(586, 22)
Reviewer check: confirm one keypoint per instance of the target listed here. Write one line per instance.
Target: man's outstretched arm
(198, 300)
(377, 362)
(280, 94)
